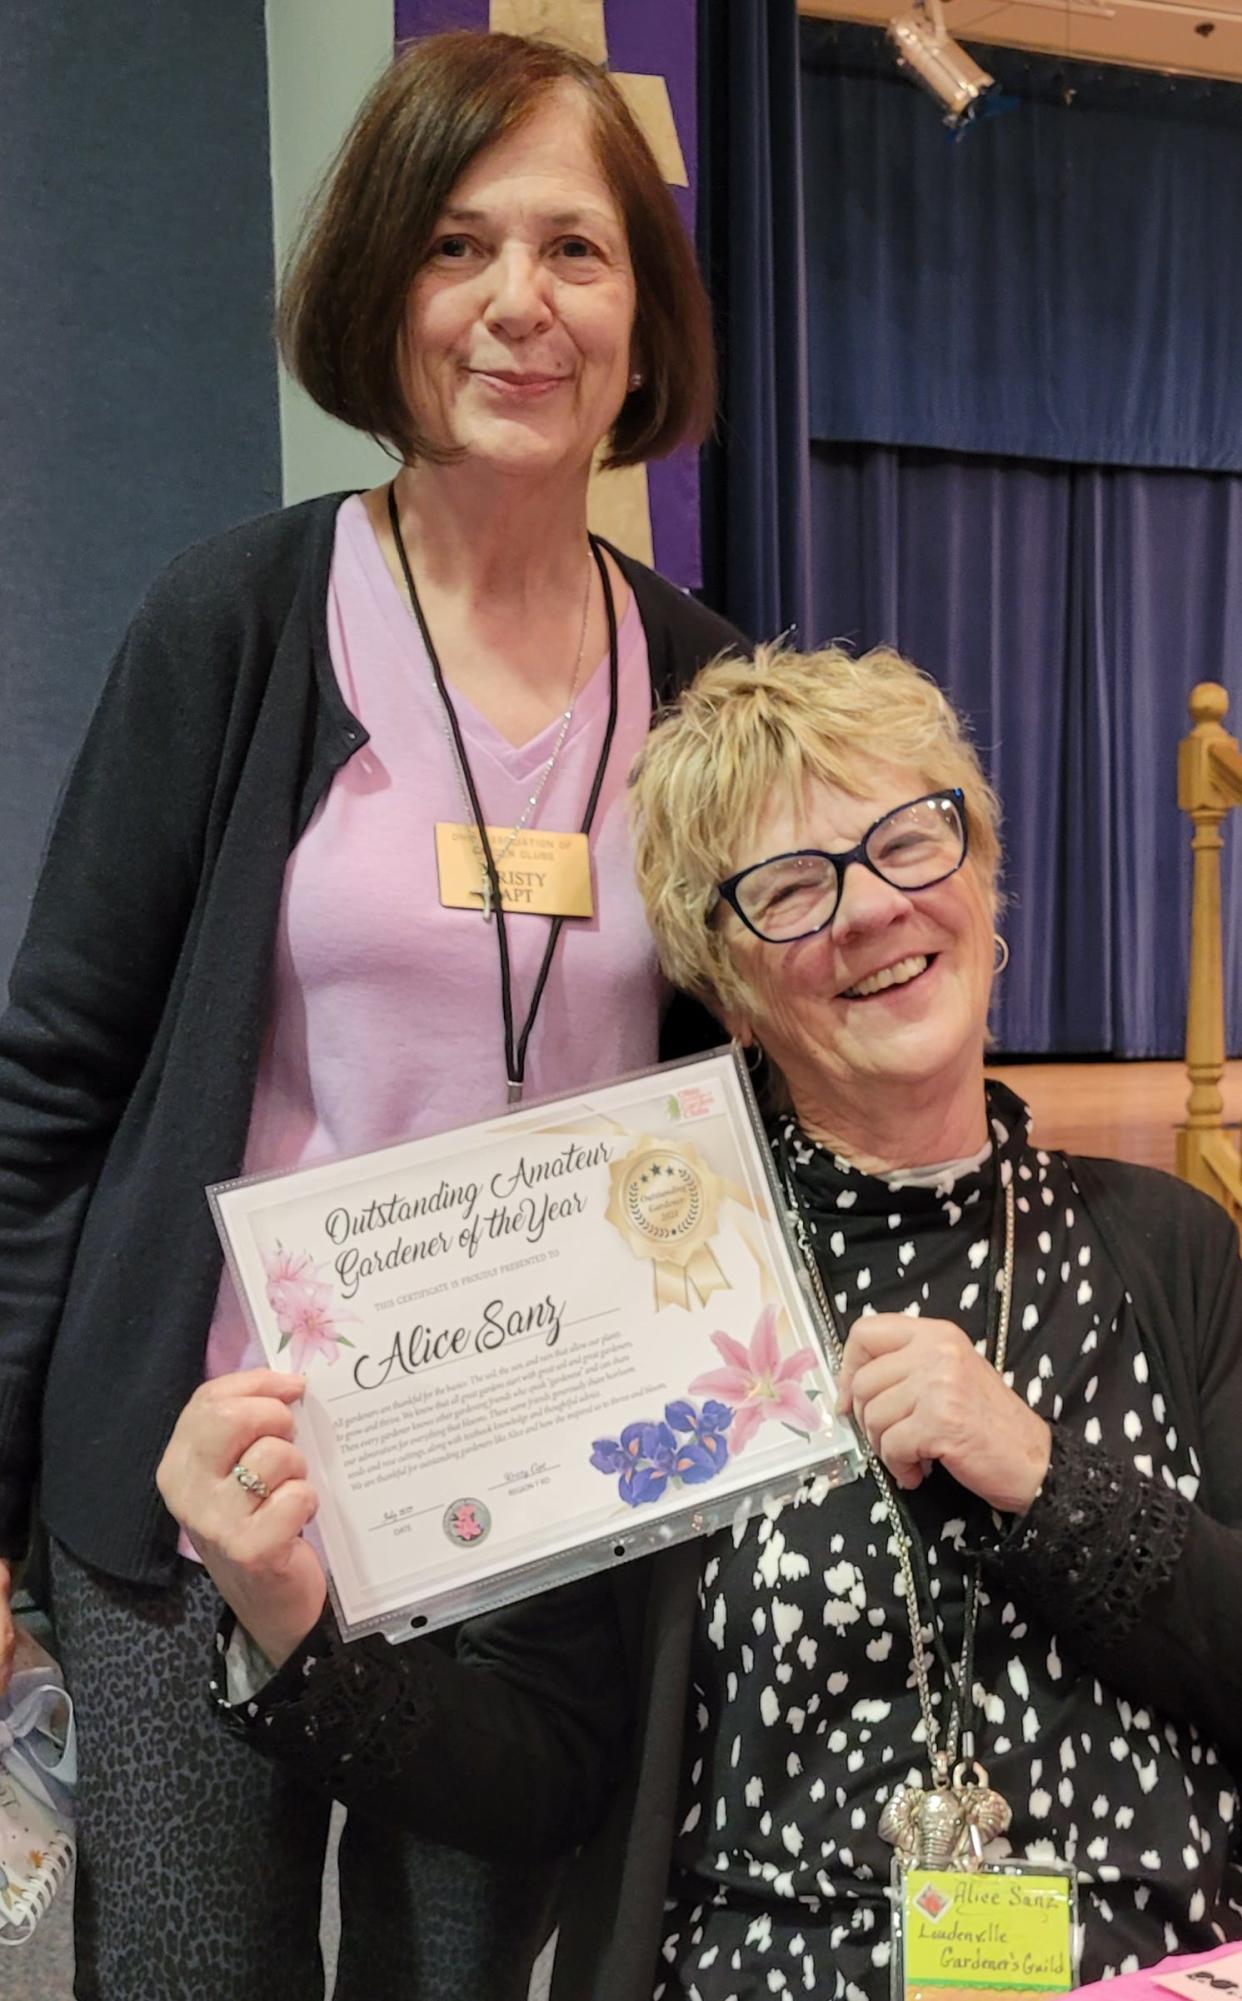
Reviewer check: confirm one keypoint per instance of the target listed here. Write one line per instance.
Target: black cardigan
(565, 1724)
(138, 1004)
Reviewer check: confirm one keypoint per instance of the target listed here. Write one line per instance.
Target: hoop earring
(752, 1056)
(1000, 957)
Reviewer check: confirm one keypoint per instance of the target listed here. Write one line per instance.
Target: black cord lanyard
(515, 1049)
(959, 1678)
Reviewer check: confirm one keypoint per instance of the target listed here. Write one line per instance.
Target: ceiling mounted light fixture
(926, 48)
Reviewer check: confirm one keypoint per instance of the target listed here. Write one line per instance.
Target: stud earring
(636, 378)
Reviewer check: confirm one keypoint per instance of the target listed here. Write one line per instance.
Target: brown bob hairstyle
(343, 300)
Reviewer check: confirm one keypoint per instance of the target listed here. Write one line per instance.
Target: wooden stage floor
(1128, 1110)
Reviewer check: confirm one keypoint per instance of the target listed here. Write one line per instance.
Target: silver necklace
(567, 716)
(946, 1824)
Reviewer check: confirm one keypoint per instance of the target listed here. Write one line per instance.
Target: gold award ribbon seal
(665, 1202)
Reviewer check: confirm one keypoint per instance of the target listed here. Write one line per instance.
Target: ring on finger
(251, 1481)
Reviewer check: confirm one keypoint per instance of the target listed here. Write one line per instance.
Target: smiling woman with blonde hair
(1027, 1613)
(745, 732)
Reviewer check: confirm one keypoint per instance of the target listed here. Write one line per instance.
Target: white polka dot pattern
(804, 1715)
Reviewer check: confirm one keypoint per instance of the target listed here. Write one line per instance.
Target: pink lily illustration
(310, 1330)
(302, 1304)
(291, 1279)
(758, 1384)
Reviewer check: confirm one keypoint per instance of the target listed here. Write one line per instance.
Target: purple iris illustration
(647, 1456)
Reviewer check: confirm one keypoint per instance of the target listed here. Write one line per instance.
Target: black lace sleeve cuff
(336, 1707)
(1097, 1540)
(515, 1750)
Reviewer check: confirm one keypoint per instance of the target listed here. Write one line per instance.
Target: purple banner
(653, 43)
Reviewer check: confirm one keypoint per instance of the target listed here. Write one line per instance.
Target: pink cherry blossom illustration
(758, 1384)
(303, 1305)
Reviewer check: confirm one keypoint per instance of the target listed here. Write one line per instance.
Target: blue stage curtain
(756, 475)
(1068, 611)
(1061, 283)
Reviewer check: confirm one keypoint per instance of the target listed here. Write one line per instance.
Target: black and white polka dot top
(804, 1715)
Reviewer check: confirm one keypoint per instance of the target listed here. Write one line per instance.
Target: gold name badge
(543, 873)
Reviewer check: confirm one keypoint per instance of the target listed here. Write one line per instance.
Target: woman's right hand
(252, 1546)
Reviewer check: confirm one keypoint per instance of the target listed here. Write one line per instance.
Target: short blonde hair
(743, 729)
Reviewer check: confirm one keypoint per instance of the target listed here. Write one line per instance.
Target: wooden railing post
(1209, 782)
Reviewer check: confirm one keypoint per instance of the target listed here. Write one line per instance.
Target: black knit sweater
(138, 1003)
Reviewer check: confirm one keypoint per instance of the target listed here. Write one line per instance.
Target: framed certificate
(541, 1345)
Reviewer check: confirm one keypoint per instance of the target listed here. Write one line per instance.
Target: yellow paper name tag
(546, 874)
(997, 1931)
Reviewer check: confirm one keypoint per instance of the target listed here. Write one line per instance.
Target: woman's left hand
(922, 1393)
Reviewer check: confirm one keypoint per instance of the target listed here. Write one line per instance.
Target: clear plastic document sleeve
(539, 1346)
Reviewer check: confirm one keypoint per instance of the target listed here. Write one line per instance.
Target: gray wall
(138, 403)
(322, 58)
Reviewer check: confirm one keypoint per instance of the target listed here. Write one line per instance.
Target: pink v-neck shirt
(385, 1019)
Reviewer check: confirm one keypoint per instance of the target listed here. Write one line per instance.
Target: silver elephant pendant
(946, 1826)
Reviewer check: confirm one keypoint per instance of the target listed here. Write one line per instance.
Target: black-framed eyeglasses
(794, 895)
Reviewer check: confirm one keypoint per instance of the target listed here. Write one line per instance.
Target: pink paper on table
(1152, 1983)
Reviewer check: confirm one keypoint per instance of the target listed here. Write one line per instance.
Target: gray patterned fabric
(200, 1863)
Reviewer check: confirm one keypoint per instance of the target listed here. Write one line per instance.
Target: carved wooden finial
(1209, 703)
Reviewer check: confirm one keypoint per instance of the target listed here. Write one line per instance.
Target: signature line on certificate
(393, 1521)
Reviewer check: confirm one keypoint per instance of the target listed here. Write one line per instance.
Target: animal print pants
(200, 1863)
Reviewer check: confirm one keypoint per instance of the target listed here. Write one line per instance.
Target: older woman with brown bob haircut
(271, 928)
(1042, 1569)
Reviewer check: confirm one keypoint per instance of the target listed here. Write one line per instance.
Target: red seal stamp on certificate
(466, 1522)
